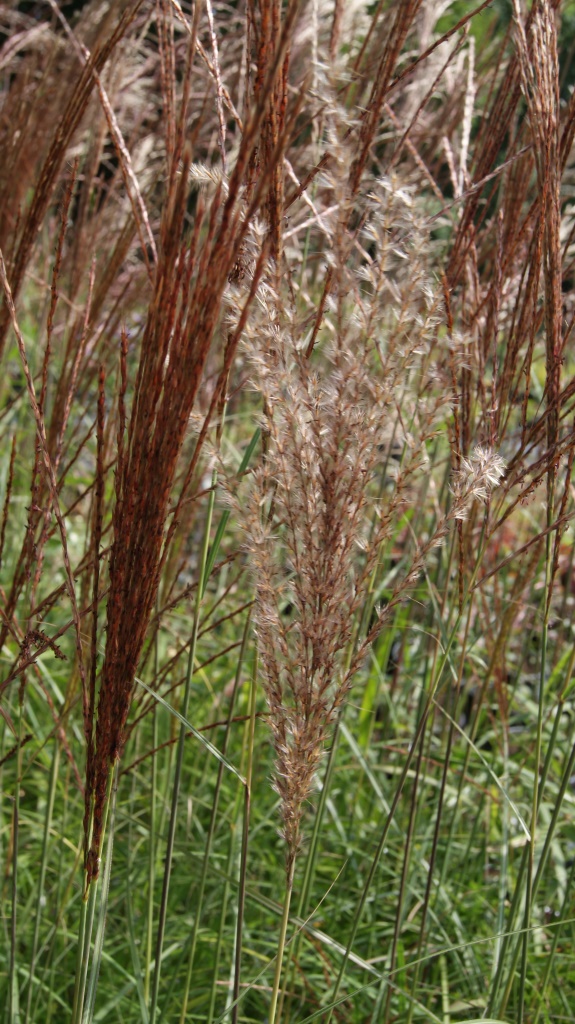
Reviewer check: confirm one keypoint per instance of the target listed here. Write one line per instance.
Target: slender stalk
(13, 998)
(251, 726)
(309, 870)
(152, 843)
(133, 924)
(105, 889)
(80, 982)
(281, 942)
(42, 876)
(60, 901)
(529, 895)
(385, 988)
(87, 921)
(151, 860)
(223, 914)
(180, 760)
(504, 861)
(212, 828)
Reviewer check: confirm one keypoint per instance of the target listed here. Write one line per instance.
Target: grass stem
(281, 942)
(163, 912)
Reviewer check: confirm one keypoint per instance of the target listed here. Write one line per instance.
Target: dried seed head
(477, 476)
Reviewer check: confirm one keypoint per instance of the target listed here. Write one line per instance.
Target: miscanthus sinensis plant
(363, 210)
(348, 431)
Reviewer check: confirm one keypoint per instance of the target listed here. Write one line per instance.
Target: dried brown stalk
(79, 98)
(46, 459)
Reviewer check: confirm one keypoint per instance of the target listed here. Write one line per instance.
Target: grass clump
(286, 572)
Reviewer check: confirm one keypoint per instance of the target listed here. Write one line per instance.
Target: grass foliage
(286, 569)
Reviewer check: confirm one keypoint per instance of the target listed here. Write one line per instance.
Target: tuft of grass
(286, 578)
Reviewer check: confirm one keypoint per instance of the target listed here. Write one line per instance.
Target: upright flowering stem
(88, 915)
(319, 548)
(180, 759)
(282, 939)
